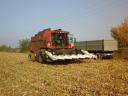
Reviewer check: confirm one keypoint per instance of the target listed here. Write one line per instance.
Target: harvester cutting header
(54, 45)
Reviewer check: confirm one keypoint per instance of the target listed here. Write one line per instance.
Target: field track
(21, 77)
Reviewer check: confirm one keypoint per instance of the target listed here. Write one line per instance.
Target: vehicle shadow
(67, 62)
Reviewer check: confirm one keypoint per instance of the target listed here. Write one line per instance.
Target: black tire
(40, 58)
(99, 55)
(31, 57)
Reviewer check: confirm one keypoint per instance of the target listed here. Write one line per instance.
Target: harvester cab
(55, 45)
(59, 39)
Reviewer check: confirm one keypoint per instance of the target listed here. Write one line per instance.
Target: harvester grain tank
(55, 45)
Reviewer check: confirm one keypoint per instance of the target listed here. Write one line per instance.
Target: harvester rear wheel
(31, 56)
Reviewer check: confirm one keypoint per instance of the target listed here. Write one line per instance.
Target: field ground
(21, 77)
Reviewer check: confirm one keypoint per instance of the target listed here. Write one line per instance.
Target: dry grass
(20, 77)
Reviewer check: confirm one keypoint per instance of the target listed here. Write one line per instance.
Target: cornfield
(21, 77)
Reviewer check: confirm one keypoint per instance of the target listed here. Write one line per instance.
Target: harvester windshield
(71, 39)
(60, 39)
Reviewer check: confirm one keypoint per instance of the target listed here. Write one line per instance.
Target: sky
(85, 19)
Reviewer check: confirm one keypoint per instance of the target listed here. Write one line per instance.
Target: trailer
(102, 48)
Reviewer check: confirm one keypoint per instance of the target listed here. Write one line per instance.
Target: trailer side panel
(97, 45)
(110, 45)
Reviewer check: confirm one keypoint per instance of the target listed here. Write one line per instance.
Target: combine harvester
(55, 45)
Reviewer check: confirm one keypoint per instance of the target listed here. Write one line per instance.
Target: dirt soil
(21, 77)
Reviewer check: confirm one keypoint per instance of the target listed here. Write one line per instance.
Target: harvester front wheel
(40, 58)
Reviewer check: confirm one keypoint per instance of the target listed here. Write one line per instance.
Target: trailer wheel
(99, 55)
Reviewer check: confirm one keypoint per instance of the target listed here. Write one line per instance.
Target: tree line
(23, 47)
(6, 48)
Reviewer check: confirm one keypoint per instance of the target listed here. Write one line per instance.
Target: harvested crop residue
(21, 77)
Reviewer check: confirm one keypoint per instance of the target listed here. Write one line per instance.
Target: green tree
(5, 48)
(24, 45)
(120, 32)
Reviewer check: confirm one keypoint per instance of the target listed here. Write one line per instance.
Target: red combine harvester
(55, 45)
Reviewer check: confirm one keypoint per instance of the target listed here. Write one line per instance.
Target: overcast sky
(86, 19)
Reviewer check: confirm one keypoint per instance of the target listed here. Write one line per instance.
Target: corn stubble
(21, 77)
